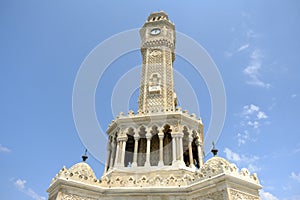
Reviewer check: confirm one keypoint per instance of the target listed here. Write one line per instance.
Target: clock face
(155, 31)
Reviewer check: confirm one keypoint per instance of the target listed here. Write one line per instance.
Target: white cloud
(293, 96)
(254, 65)
(230, 155)
(253, 168)
(249, 109)
(267, 196)
(252, 71)
(256, 54)
(254, 124)
(21, 185)
(34, 195)
(295, 176)
(243, 47)
(251, 120)
(4, 149)
(241, 140)
(245, 161)
(253, 111)
(235, 50)
(253, 68)
(243, 137)
(261, 115)
(250, 159)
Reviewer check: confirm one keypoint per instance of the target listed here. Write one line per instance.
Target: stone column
(108, 154)
(200, 153)
(161, 149)
(136, 145)
(190, 140)
(120, 154)
(181, 162)
(117, 153)
(123, 152)
(177, 148)
(180, 147)
(113, 150)
(173, 148)
(148, 137)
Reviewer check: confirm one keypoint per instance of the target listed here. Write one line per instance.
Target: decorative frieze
(68, 196)
(238, 195)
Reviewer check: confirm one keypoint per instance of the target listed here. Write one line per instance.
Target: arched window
(129, 150)
(155, 79)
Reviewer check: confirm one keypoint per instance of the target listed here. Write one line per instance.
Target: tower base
(216, 180)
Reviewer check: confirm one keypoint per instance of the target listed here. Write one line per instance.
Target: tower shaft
(157, 48)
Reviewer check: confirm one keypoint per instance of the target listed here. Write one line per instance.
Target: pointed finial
(214, 150)
(84, 157)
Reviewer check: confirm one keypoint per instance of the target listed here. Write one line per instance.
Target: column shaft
(147, 163)
(177, 149)
(108, 153)
(174, 148)
(191, 153)
(117, 153)
(200, 155)
(135, 154)
(161, 149)
(180, 148)
(113, 150)
(123, 153)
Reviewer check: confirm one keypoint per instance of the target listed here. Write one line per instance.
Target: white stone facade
(153, 140)
(156, 153)
(217, 179)
(157, 48)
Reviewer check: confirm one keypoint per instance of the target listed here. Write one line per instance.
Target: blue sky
(255, 45)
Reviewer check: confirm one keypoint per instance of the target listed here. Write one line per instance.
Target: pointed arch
(129, 147)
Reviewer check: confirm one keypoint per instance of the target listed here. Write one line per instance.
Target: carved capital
(148, 135)
(136, 136)
(161, 135)
(122, 138)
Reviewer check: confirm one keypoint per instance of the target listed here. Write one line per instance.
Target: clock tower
(157, 48)
(157, 152)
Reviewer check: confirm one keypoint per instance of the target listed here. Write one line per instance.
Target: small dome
(217, 165)
(217, 161)
(82, 169)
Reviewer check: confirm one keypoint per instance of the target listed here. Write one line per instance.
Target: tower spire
(84, 157)
(214, 150)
